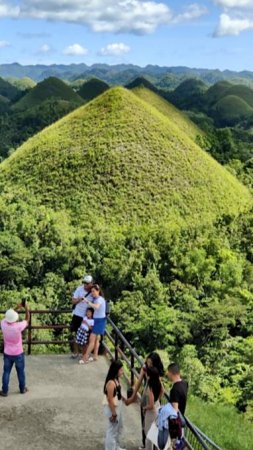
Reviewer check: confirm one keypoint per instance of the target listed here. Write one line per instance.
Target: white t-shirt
(80, 309)
(101, 312)
(90, 323)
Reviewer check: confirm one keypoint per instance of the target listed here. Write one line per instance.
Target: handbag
(154, 435)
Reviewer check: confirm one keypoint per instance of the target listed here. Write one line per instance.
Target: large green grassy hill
(51, 88)
(120, 159)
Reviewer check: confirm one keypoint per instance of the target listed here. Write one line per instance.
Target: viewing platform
(63, 408)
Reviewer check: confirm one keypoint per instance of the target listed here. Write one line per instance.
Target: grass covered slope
(51, 88)
(119, 158)
(171, 112)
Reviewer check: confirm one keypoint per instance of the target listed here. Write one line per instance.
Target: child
(83, 333)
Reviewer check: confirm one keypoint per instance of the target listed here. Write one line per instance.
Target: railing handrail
(125, 341)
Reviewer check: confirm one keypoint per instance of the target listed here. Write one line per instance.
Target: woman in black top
(152, 360)
(113, 405)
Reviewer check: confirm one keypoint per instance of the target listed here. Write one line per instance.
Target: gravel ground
(63, 408)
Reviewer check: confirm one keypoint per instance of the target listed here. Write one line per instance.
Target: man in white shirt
(81, 294)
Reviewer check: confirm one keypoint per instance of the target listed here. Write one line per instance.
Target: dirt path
(63, 409)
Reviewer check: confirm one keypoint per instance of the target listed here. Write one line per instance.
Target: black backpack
(175, 428)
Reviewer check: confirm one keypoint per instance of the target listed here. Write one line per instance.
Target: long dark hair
(154, 382)
(113, 372)
(157, 362)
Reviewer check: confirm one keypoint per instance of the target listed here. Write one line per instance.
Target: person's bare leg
(91, 347)
(96, 348)
(75, 349)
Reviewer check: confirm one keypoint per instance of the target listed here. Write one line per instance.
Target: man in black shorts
(179, 390)
(79, 302)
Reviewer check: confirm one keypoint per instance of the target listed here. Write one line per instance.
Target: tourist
(179, 391)
(81, 294)
(153, 396)
(13, 348)
(98, 303)
(153, 360)
(113, 406)
(83, 333)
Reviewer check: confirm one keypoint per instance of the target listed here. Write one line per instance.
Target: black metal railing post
(132, 369)
(116, 343)
(29, 343)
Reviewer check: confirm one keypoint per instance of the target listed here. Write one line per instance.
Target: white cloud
(45, 48)
(234, 3)
(8, 10)
(4, 44)
(229, 26)
(192, 12)
(135, 16)
(75, 50)
(113, 16)
(116, 49)
(236, 17)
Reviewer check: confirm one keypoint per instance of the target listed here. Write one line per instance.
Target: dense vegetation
(119, 188)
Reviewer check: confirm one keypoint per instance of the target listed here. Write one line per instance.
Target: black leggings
(143, 428)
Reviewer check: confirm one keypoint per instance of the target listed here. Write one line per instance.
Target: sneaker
(24, 391)
(2, 394)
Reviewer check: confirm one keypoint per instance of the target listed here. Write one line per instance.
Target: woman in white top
(99, 306)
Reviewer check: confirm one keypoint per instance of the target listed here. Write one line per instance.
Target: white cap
(88, 279)
(11, 316)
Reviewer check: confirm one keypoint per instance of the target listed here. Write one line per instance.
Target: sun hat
(88, 279)
(11, 316)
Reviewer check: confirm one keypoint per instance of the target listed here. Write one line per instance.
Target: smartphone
(23, 303)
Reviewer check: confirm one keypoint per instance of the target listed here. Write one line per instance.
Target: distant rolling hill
(216, 92)
(51, 88)
(21, 84)
(231, 109)
(141, 82)
(92, 88)
(226, 103)
(119, 160)
(189, 94)
(7, 90)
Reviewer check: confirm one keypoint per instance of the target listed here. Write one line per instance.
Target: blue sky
(201, 33)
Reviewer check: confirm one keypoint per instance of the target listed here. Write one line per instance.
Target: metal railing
(194, 437)
(117, 346)
(30, 341)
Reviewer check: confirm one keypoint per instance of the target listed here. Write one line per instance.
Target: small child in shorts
(83, 333)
